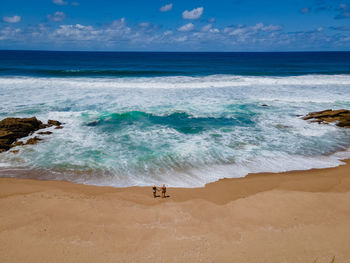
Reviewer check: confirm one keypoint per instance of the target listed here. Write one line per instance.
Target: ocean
(183, 119)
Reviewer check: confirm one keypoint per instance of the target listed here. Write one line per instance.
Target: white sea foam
(180, 82)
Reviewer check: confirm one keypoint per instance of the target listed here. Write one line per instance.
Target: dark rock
(12, 129)
(18, 143)
(264, 105)
(345, 124)
(33, 141)
(340, 117)
(20, 126)
(59, 127)
(5, 144)
(15, 151)
(6, 134)
(45, 133)
(53, 123)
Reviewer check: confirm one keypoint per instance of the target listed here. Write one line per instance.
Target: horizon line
(137, 51)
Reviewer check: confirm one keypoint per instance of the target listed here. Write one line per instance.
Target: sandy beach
(300, 216)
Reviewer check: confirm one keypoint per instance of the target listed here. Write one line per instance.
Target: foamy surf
(178, 82)
(180, 130)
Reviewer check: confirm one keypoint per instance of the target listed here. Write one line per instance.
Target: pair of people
(155, 189)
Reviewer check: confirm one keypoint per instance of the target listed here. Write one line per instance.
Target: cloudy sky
(175, 25)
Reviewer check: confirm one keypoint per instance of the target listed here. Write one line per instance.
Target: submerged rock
(53, 123)
(18, 143)
(45, 133)
(34, 140)
(12, 129)
(340, 117)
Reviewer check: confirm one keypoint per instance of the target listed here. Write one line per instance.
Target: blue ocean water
(152, 64)
(184, 119)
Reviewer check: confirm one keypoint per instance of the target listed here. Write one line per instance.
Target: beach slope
(301, 216)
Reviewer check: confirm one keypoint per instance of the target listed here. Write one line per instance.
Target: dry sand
(288, 217)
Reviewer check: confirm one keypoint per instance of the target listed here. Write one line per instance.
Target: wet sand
(301, 216)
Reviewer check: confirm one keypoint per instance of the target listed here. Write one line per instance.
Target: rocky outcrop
(53, 123)
(34, 140)
(12, 129)
(340, 117)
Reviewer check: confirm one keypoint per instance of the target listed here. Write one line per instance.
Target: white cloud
(116, 32)
(59, 2)
(166, 8)
(186, 28)
(76, 32)
(245, 31)
(118, 35)
(57, 16)
(119, 25)
(212, 20)
(271, 28)
(193, 14)
(209, 28)
(11, 19)
(181, 39)
(118, 28)
(9, 33)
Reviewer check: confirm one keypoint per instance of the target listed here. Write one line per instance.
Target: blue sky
(178, 25)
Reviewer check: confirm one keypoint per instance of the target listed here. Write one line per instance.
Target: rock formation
(341, 117)
(53, 123)
(45, 133)
(34, 140)
(12, 129)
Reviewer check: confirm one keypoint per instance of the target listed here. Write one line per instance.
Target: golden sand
(301, 216)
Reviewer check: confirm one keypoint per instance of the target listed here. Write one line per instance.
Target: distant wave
(178, 82)
(62, 73)
(85, 72)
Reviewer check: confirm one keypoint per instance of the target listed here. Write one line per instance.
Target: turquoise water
(179, 129)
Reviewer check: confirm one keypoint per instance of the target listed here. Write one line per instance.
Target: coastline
(298, 216)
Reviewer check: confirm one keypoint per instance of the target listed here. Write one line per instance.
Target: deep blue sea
(183, 119)
(157, 64)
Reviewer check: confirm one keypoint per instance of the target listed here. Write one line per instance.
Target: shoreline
(296, 216)
(47, 174)
(290, 176)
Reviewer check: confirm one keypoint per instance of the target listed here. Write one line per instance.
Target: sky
(175, 25)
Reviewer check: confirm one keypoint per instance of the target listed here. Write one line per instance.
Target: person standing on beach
(163, 191)
(155, 191)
